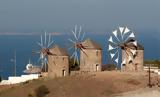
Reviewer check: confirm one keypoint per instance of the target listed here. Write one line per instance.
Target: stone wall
(137, 64)
(91, 60)
(58, 66)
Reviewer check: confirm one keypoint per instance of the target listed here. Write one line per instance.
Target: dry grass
(102, 84)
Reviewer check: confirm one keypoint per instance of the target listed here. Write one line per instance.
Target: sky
(32, 17)
(95, 16)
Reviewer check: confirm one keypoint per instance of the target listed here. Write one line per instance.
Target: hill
(102, 84)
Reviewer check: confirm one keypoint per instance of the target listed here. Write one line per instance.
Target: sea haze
(24, 45)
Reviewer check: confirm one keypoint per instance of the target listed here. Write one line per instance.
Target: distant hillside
(152, 63)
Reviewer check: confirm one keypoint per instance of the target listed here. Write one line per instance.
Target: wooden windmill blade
(131, 43)
(87, 47)
(83, 51)
(51, 53)
(132, 46)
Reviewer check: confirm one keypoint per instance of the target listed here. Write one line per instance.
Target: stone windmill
(92, 60)
(124, 49)
(45, 43)
(138, 60)
(58, 62)
(87, 51)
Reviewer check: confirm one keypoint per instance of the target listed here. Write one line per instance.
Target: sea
(23, 45)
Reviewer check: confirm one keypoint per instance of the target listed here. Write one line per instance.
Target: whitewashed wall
(19, 79)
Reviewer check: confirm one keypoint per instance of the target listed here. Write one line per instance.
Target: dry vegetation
(102, 84)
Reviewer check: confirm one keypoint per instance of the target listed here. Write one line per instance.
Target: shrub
(26, 82)
(41, 91)
(73, 66)
(30, 95)
(108, 67)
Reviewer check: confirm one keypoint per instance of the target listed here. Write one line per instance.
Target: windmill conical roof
(139, 46)
(90, 44)
(56, 50)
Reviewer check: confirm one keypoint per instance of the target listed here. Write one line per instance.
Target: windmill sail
(44, 51)
(124, 61)
(131, 35)
(133, 51)
(116, 60)
(111, 39)
(126, 30)
(117, 45)
(112, 55)
(115, 33)
(135, 43)
(111, 48)
(76, 43)
(121, 29)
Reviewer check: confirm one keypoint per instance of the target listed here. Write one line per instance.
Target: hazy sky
(96, 16)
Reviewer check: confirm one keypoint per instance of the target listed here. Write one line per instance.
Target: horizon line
(28, 33)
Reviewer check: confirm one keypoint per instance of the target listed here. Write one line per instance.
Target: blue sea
(24, 45)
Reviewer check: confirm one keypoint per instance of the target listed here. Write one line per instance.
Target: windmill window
(123, 64)
(96, 53)
(136, 66)
(130, 62)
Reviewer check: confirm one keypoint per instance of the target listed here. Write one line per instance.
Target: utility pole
(149, 79)
(15, 69)
(14, 62)
(0, 72)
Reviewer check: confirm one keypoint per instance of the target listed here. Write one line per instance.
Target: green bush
(41, 91)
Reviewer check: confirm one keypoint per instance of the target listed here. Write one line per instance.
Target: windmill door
(136, 66)
(63, 73)
(97, 67)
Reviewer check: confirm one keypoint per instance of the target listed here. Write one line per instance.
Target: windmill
(58, 64)
(122, 39)
(44, 44)
(78, 37)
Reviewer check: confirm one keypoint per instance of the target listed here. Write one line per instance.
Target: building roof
(35, 69)
(131, 45)
(140, 47)
(90, 44)
(56, 50)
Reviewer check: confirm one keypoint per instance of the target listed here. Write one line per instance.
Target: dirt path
(147, 92)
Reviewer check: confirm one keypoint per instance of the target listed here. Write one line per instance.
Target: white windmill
(44, 44)
(78, 37)
(122, 39)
